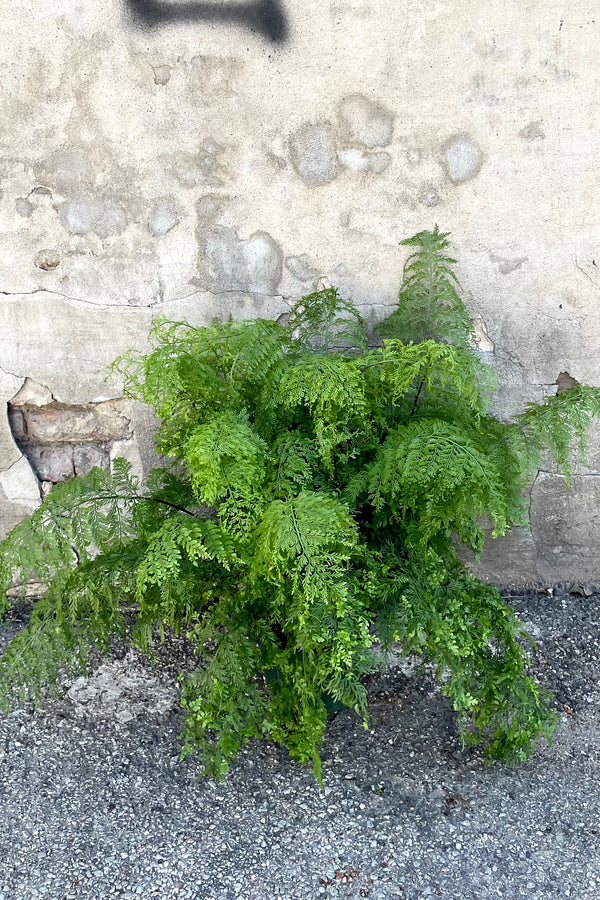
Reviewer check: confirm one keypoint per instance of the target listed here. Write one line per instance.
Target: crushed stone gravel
(96, 804)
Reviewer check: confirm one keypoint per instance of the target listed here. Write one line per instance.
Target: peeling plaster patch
(324, 284)
(480, 338)
(505, 266)
(313, 154)
(23, 207)
(60, 441)
(252, 265)
(533, 131)
(162, 74)
(215, 77)
(40, 193)
(104, 217)
(204, 167)
(162, 218)
(364, 122)
(429, 197)
(359, 161)
(38, 197)
(48, 260)
(462, 159)
(565, 382)
(301, 267)
(32, 394)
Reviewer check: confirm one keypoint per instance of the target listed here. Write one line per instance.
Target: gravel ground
(96, 804)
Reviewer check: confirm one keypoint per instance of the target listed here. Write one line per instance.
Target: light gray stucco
(198, 169)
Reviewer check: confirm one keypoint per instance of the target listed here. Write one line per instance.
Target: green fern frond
(473, 638)
(429, 306)
(331, 389)
(295, 466)
(322, 322)
(301, 530)
(91, 511)
(561, 425)
(178, 540)
(226, 457)
(437, 472)
(315, 493)
(81, 609)
(428, 369)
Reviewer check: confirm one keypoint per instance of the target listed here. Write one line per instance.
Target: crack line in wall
(533, 483)
(11, 374)
(221, 294)
(126, 305)
(65, 297)
(16, 462)
(587, 275)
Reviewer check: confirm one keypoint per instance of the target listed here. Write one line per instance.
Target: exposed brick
(50, 463)
(60, 423)
(86, 456)
(17, 424)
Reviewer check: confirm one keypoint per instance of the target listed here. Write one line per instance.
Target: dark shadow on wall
(265, 17)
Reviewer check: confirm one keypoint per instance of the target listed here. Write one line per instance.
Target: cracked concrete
(562, 542)
(121, 690)
(67, 347)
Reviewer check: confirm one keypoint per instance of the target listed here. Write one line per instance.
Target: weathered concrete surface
(198, 168)
(563, 543)
(65, 410)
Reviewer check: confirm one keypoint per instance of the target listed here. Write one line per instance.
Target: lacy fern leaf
(429, 306)
(310, 509)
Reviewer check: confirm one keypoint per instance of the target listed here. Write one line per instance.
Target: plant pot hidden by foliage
(337, 477)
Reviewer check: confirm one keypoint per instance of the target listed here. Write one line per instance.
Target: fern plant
(313, 492)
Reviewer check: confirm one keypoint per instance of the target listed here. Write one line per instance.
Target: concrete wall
(195, 159)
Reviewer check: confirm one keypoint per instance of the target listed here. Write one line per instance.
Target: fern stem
(134, 497)
(416, 400)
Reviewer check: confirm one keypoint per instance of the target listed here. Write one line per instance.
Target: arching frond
(309, 507)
